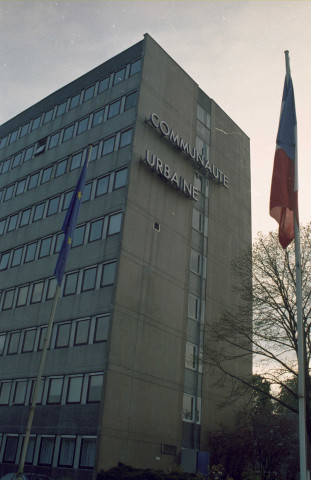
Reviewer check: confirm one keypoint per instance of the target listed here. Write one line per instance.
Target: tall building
(166, 208)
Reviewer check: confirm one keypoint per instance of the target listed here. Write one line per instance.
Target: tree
(272, 338)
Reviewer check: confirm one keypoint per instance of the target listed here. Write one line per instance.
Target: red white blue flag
(284, 186)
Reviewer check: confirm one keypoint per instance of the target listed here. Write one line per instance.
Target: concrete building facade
(165, 210)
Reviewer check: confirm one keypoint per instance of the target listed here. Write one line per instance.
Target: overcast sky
(233, 49)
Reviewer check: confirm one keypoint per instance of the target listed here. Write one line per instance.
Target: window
(59, 242)
(98, 117)
(120, 178)
(70, 283)
(37, 292)
(74, 389)
(87, 192)
(130, 101)
(101, 329)
(13, 342)
(36, 123)
(42, 336)
(67, 199)
(5, 390)
(126, 138)
(197, 220)
(55, 391)
(114, 224)
(51, 288)
(29, 340)
(94, 153)
(193, 307)
(20, 392)
(8, 192)
(25, 217)
(119, 76)
(24, 130)
(74, 101)
(30, 450)
(46, 175)
(39, 393)
(6, 165)
(94, 388)
(39, 209)
(195, 261)
(4, 260)
(114, 109)
(33, 181)
(20, 187)
(191, 359)
(12, 222)
(17, 159)
(17, 257)
(10, 449)
(135, 67)
(87, 454)
(102, 186)
(2, 225)
(82, 125)
(28, 153)
(45, 247)
(108, 145)
(188, 408)
(8, 299)
(48, 116)
(46, 451)
(54, 140)
(61, 168)
(63, 335)
(66, 452)
(89, 93)
(2, 342)
(61, 108)
(22, 296)
(53, 206)
(78, 236)
(68, 133)
(82, 332)
(103, 85)
(13, 136)
(96, 230)
(30, 252)
(108, 275)
(89, 279)
(40, 148)
(76, 161)
(3, 142)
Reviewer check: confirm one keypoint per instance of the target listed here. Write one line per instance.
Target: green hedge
(125, 472)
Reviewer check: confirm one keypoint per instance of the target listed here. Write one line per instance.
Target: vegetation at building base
(126, 472)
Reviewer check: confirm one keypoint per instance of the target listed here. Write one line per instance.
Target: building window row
(77, 281)
(72, 102)
(68, 164)
(194, 357)
(53, 205)
(84, 233)
(54, 390)
(71, 451)
(70, 131)
(67, 334)
(191, 411)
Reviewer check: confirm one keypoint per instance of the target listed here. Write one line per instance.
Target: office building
(166, 208)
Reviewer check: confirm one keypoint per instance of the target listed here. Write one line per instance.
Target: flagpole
(300, 329)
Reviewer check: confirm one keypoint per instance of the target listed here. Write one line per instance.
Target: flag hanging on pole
(284, 186)
(70, 222)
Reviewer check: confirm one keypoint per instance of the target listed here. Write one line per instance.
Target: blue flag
(70, 224)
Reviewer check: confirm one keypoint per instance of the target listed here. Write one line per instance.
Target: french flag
(284, 185)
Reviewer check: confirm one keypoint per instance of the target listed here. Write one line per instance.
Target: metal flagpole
(300, 329)
(37, 385)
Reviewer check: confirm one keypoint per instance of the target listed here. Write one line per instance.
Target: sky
(234, 50)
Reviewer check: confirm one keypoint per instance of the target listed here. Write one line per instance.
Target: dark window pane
(96, 230)
(25, 216)
(74, 389)
(36, 123)
(42, 336)
(98, 117)
(87, 455)
(94, 153)
(102, 186)
(10, 449)
(46, 451)
(59, 242)
(70, 283)
(82, 125)
(39, 209)
(20, 392)
(82, 332)
(4, 261)
(61, 168)
(33, 181)
(17, 257)
(120, 178)
(66, 452)
(114, 224)
(95, 388)
(8, 193)
(5, 390)
(48, 116)
(8, 300)
(78, 236)
(37, 292)
(3, 142)
(13, 136)
(45, 247)
(53, 206)
(108, 275)
(54, 140)
(12, 222)
(6, 165)
(28, 154)
(63, 334)
(13, 343)
(51, 288)
(68, 133)
(74, 102)
(67, 199)
(126, 138)
(87, 192)
(17, 159)
(101, 329)
(103, 85)
(89, 279)
(108, 145)
(30, 450)
(30, 252)
(22, 296)
(2, 226)
(55, 390)
(119, 76)
(76, 161)
(135, 67)
(89, 93)
(114, 109)
(61, 108)
(2, 342)
(130, 101)
(20, 187)
(29, 340)
(46, 175)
